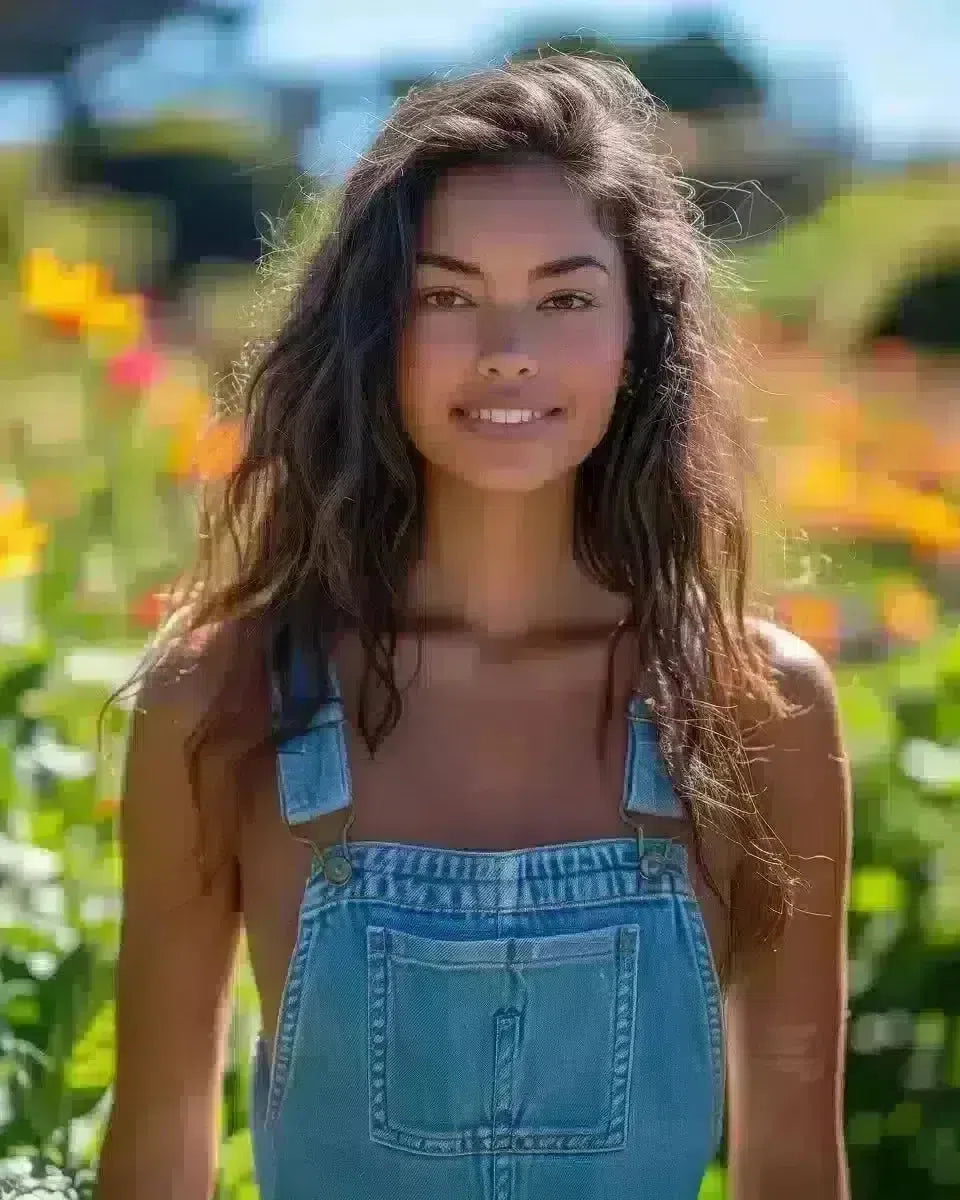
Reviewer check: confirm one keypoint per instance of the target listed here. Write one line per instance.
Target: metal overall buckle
(334, 860)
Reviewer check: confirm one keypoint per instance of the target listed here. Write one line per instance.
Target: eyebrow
(547, 270)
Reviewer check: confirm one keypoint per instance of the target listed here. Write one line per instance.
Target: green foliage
(837, 272)
(903, 1092)
(903, 1082)
(128, 526)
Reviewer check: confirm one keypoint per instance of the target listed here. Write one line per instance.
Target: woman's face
(518, 324)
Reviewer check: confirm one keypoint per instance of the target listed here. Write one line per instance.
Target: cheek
(591, 370)
(432, 370)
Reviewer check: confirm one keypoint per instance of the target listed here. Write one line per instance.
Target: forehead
(473, 209)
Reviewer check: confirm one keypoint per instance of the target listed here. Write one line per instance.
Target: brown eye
(582, 301)
(425, 297)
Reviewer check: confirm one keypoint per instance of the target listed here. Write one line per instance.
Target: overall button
(652, 865)
(337, 868)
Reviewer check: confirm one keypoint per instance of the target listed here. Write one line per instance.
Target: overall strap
(313, 773)
(647, 788)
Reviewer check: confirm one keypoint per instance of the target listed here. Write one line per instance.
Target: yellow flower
(119, 317)
(21, 541)
(932, 520)
(816, 483)
(79, 297)
(52, 290)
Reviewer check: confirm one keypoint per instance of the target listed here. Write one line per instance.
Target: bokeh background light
(145, 148)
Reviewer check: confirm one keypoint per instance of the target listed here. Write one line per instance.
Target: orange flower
(106, 808)
(815, 618)
(840, 417)
(909, 612)
(169, 404)
(209, 453)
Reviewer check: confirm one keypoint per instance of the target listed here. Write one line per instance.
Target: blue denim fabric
(491, 1025)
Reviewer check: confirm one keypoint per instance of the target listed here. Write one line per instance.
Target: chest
(473, 775)
(459, 774)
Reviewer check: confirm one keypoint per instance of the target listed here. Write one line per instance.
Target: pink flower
(135, 369)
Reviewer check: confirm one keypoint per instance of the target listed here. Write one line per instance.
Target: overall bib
(490, 1025)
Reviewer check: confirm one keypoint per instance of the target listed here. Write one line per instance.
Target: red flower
(148, 610)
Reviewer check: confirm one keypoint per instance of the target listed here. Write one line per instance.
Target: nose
(507, 365)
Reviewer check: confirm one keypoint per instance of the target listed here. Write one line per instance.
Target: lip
(508, 431)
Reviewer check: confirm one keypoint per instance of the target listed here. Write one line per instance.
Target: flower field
(108, 420)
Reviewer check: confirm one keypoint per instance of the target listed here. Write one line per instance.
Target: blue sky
(900, 57)
(897, 59)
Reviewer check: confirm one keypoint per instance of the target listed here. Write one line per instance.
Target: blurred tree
(696, 72)
(44, 37)
(213, 191)
(926, 311)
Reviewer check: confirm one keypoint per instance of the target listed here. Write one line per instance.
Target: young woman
(467, 725)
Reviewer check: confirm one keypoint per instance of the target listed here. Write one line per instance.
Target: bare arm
(786, 1017)
(177, 950)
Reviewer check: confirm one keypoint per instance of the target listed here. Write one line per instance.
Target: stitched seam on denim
(283, 786)
(605, 870)
(566, 875)
(485, 1139)
(629, 772)
(504, 1057)
(627, 955)
(345, 783)
(712, 1002)
(668, 845)
(495, 965)
(288, 1019)
(377, 1026)
(539, 909)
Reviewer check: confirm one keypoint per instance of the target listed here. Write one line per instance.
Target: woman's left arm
(786, 1017)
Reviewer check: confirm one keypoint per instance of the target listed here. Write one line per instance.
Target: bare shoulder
(180, 797)
(182, 676)
(799, 760)
(803, 674)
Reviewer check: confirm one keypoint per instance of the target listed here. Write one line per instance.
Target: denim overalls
(490, 1025)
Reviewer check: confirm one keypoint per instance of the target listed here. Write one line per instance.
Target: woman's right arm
(176, 958)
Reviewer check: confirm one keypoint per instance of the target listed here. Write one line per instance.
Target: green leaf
(714, 1186)
(91, 1063)
(876, 890)
(236, 1160)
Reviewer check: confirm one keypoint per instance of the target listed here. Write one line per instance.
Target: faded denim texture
(491, 1025)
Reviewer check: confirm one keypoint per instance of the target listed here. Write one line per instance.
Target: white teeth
(506, 416)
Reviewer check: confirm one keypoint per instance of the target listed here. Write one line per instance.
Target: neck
(500, 564)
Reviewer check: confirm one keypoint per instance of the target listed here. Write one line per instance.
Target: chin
(518, 478)
(505, 483)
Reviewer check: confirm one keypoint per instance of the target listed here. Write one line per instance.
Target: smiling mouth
(506, 416)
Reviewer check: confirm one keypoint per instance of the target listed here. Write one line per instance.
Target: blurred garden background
(146, 147)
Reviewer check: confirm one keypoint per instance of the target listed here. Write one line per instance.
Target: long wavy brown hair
(318, 526)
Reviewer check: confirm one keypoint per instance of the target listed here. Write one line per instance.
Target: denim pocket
(501, 1044)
